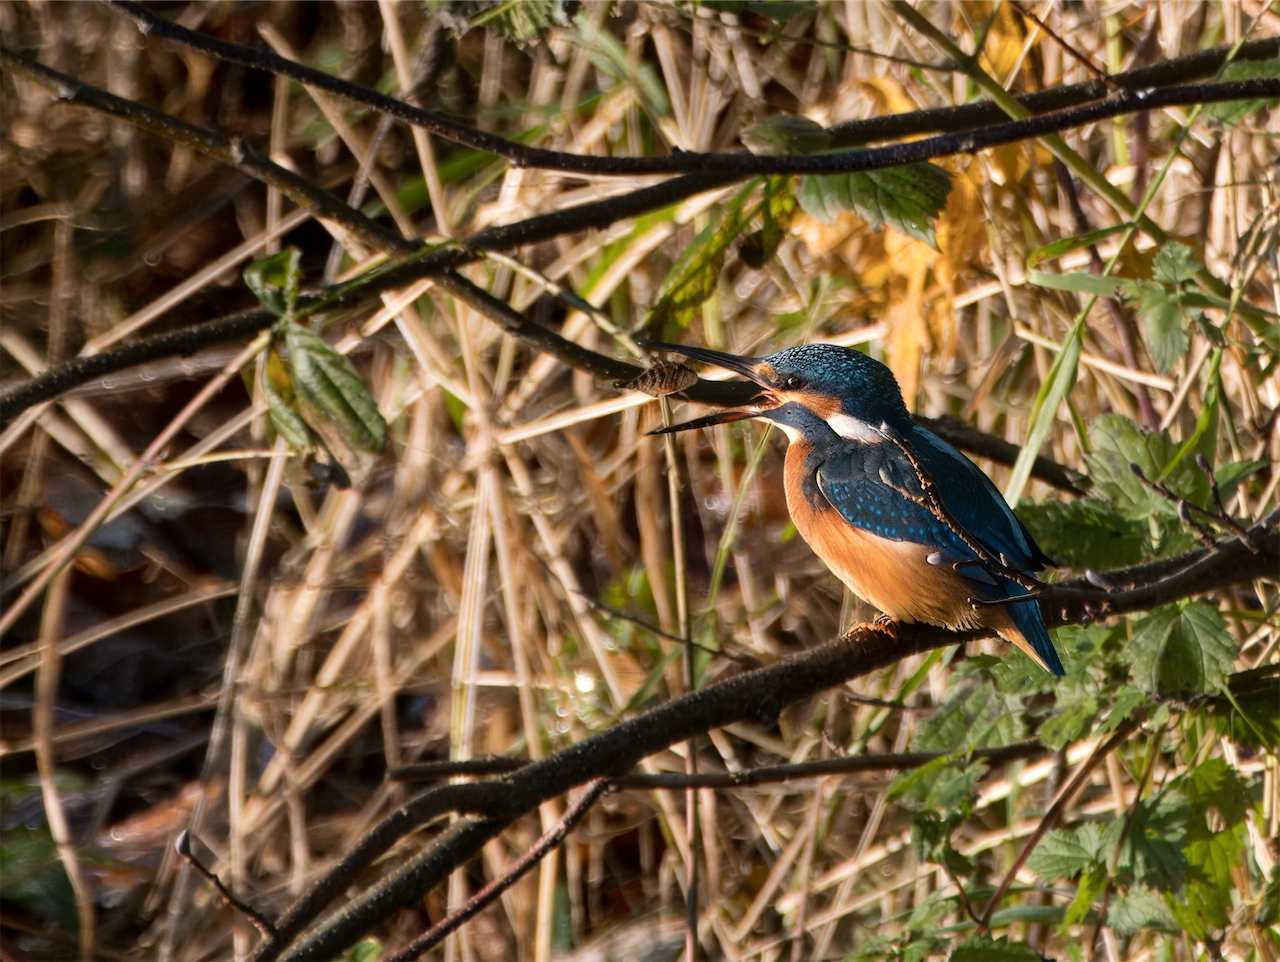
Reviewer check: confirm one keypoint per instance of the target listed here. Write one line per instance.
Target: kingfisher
(900, 516)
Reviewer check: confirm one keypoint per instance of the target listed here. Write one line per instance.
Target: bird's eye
(792, 383)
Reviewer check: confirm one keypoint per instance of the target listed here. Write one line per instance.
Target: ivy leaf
(985, 948)
(1086, 533)
(1139, 908)
(907, 198)
(1182, 648)
(275, 280)
(1066, 852)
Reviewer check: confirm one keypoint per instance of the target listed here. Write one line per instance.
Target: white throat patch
(854, 429)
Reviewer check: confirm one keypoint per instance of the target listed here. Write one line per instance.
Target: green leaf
(1079, 282)
(1061, 379)
(1092, 884)
(331, 389)
(1073, 720)
(1232, 473)
(1117, 442)
(1269, 906)
(1231, 112)
(1043, 914)
(1176, 264)
(930, 911)
(1139, 908)
(1250, 718)
(1066, 852)
(985, 948)
(758, 247)
(521, 20)
(907, 198)
(693, 277)
(1086, 533)
(1123, 702)
(1068, 244)
(286, 421)
(275, 280)
(1182, 648)
(366, 950)
(1161, 313)
(784, 134)
(1205, 436)
(1152, 849)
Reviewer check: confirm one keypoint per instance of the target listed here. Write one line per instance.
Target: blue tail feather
(1026, 616)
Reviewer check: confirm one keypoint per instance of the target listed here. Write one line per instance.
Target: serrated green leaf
(985, 948)
(275, 281)
(327, 385)
(907, 198)
(287, 422)
(1068, 244)
(1123, 703)
(1066, 852)
(1182, 648)
(1139, 908)
(1163, 324)
(1073, 719)
(1092, 884)
(929, 911)
(1175, 263)
(1231, 112)
(1151, 852)
(1117, 442)
(1086, 533)
(909, 781)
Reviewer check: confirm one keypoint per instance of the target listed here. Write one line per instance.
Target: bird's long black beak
(730, 362)
(711, 420)
(746, 366)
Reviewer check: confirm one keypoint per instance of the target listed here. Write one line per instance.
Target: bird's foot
(882, 623)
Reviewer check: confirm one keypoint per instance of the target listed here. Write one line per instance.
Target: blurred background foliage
(469, 549)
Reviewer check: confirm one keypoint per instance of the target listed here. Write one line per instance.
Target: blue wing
(873, 485)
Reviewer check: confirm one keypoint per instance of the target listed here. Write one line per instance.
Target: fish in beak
(748, 367)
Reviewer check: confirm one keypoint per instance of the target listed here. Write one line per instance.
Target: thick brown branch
(757, 696)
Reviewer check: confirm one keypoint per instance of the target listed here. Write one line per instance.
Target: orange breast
(894, 576)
